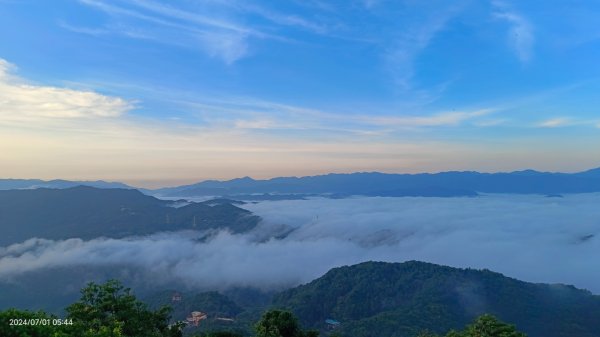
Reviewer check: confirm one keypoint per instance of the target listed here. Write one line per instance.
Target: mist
(529, 237)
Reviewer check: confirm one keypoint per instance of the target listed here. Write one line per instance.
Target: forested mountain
(445, 184)
(87, 212)
(375, 299)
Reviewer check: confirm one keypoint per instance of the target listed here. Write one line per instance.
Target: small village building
(195, 317)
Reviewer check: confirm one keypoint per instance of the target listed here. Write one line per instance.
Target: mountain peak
(246, 178)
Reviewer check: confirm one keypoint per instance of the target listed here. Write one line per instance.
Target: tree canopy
(111, 310)
(484, 326)
(106, 310)
(278, 323)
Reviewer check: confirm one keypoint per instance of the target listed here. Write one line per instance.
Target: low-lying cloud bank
(533, 238)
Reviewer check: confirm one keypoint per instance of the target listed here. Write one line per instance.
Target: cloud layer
(25, 102)
(534, 238)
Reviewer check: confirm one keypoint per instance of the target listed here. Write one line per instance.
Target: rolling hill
(88, 212)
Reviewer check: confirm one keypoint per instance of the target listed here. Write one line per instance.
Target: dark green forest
(400, 299)
(110, 310)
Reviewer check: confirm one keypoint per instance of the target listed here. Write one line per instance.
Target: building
(195, 317)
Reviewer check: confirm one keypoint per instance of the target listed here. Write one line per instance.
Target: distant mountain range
(87, 212)
(20, 184)
(444, 184)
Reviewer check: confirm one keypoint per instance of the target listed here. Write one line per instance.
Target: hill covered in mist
(87, 212)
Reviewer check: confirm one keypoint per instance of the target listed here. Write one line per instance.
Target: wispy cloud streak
(521, 35)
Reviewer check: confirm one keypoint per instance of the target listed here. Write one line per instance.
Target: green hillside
(372, 299)
(375, 299)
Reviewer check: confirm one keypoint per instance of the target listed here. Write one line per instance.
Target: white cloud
(216, 37)
(521, 35)
(229, 47)
(400, 56)
(441, 119)
(412, 39)
(533, 238)
(490, 122)
(83, 30)
(229, 136)
(555, 123)
(193, 17)
(21, 101)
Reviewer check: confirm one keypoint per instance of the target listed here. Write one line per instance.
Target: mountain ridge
(442, 184)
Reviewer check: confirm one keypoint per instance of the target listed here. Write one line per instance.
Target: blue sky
(155, 93)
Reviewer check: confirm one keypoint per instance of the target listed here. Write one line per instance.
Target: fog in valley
(530, 237)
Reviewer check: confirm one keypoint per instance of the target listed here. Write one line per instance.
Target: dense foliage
(111, 310)
(400, 299)
(107, 310)
(367, 300)
(277, 323)
(484, 326)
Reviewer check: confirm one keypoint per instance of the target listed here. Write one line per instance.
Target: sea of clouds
(529, 237)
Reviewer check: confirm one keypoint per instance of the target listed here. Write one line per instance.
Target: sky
(162, 93)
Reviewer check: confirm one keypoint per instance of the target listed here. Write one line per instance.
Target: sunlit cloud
(56, 132)
(22, 101)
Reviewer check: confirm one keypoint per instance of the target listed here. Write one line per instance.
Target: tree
(110, 310)
(490, 326)
(483, 326)
(278, 323)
